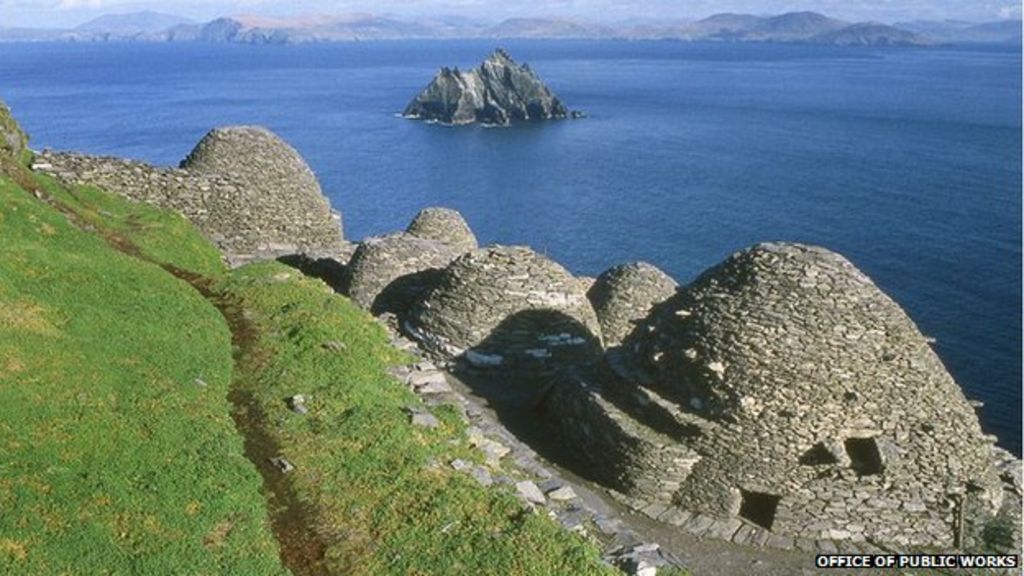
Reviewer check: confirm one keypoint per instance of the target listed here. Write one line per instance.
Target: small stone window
(818, 455)
(759, 508)
(865, 459)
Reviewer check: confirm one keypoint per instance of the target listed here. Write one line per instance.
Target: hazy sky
(63, 13)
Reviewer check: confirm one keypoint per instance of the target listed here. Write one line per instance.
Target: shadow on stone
(334, 273)
(528, 355)
(536, 340)
(400, 295)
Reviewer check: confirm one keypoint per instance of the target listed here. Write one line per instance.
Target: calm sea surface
(906, 161)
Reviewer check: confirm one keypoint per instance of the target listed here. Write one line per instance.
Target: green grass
(113, 460)
(116, 462)
(361, 464)
(158, 235)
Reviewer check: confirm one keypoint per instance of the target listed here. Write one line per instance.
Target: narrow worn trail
(292, 521)
(302, 549)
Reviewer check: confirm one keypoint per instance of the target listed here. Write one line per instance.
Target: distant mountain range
(133, 23)
(793, 27)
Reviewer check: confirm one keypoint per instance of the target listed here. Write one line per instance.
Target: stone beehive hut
(249, 192)
(443, 225)
(507, 306)
(824, 412)
(283, 196)
(388, 273)
(625, 294)
(13, 141)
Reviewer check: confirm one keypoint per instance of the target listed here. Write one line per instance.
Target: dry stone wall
(244, 188)
(504, 306)
(13, 141)
(833, 416)
(623, 295)
(443, 225)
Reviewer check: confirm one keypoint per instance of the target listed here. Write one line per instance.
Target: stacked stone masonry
(505, 306)
(624, 295)
(389, 273)
(829, 415)
(13, 141)
(443, 225)
(244, 188)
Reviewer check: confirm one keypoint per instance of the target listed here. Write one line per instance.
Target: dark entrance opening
(865, 459)
(818, 455)
(759, 508)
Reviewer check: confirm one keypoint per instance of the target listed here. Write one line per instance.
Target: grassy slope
(362, 465)
(114, 460)
(362, 470)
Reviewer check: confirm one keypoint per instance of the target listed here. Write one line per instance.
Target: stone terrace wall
(250, 206)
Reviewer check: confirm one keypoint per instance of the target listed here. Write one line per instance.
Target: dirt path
(301, 547)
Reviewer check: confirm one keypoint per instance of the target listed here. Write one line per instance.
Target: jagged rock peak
(498, 92)
(443, 225)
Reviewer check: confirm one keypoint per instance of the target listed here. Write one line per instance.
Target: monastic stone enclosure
(625, 294)
(243, 187)
(507, 306)
(388, 273)
(816, 408)
(443, 225)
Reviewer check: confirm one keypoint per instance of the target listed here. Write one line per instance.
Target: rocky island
(498, 92)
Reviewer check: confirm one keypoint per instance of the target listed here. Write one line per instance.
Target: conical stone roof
(281, 190)
(624, 294)
(508, 305)
(822, 402)
(388, 273)
(443, 225)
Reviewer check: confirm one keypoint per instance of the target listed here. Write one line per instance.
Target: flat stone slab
(530, 492)
(562, 494)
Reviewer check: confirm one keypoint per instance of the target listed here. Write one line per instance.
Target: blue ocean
(907, 161)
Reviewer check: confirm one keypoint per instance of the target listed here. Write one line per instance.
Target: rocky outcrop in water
(13, 141)
(498, 92)
(243, 187)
